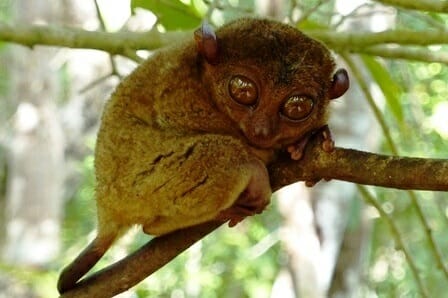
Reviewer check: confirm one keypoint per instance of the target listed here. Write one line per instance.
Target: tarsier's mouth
(261, 142)
(274, 142)
(277, 142)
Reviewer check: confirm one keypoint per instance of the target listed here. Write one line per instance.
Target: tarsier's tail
(83, 263)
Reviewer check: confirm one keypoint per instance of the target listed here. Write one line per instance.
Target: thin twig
(95, 82)
(113, 64)
(132, 55)
(306, 14)
(368, 10)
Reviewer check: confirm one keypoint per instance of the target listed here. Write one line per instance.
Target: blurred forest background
(333, 240)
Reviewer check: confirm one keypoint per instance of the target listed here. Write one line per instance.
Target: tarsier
(186, 138)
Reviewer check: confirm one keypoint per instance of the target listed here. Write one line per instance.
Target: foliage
(387, 84)
(416, 134)
(173, 14)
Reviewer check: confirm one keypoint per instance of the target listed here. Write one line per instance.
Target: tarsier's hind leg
(253, 200)
(219, 179)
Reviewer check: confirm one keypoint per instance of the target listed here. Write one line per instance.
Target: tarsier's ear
(206, 42)
(340, 84)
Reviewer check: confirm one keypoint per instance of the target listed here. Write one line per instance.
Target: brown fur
(174, 151)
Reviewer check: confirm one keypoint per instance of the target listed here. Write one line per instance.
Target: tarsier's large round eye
(297, 107)
(243, 90)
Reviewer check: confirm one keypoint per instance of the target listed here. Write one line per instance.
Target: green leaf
(391, 90)
(310, 25)
(172, 14)
(436, 17)
(199, 7)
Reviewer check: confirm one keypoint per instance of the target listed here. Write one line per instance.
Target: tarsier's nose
(262, 131)
(263, 127)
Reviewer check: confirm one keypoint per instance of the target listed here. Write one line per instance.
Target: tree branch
(353, 41)
(126, 273)
(406, 53)
(113, 43)
(342, 164)
(363, 168)
(122, 43)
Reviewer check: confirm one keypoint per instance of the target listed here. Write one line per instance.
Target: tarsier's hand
(296, 150)
(327, 142)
